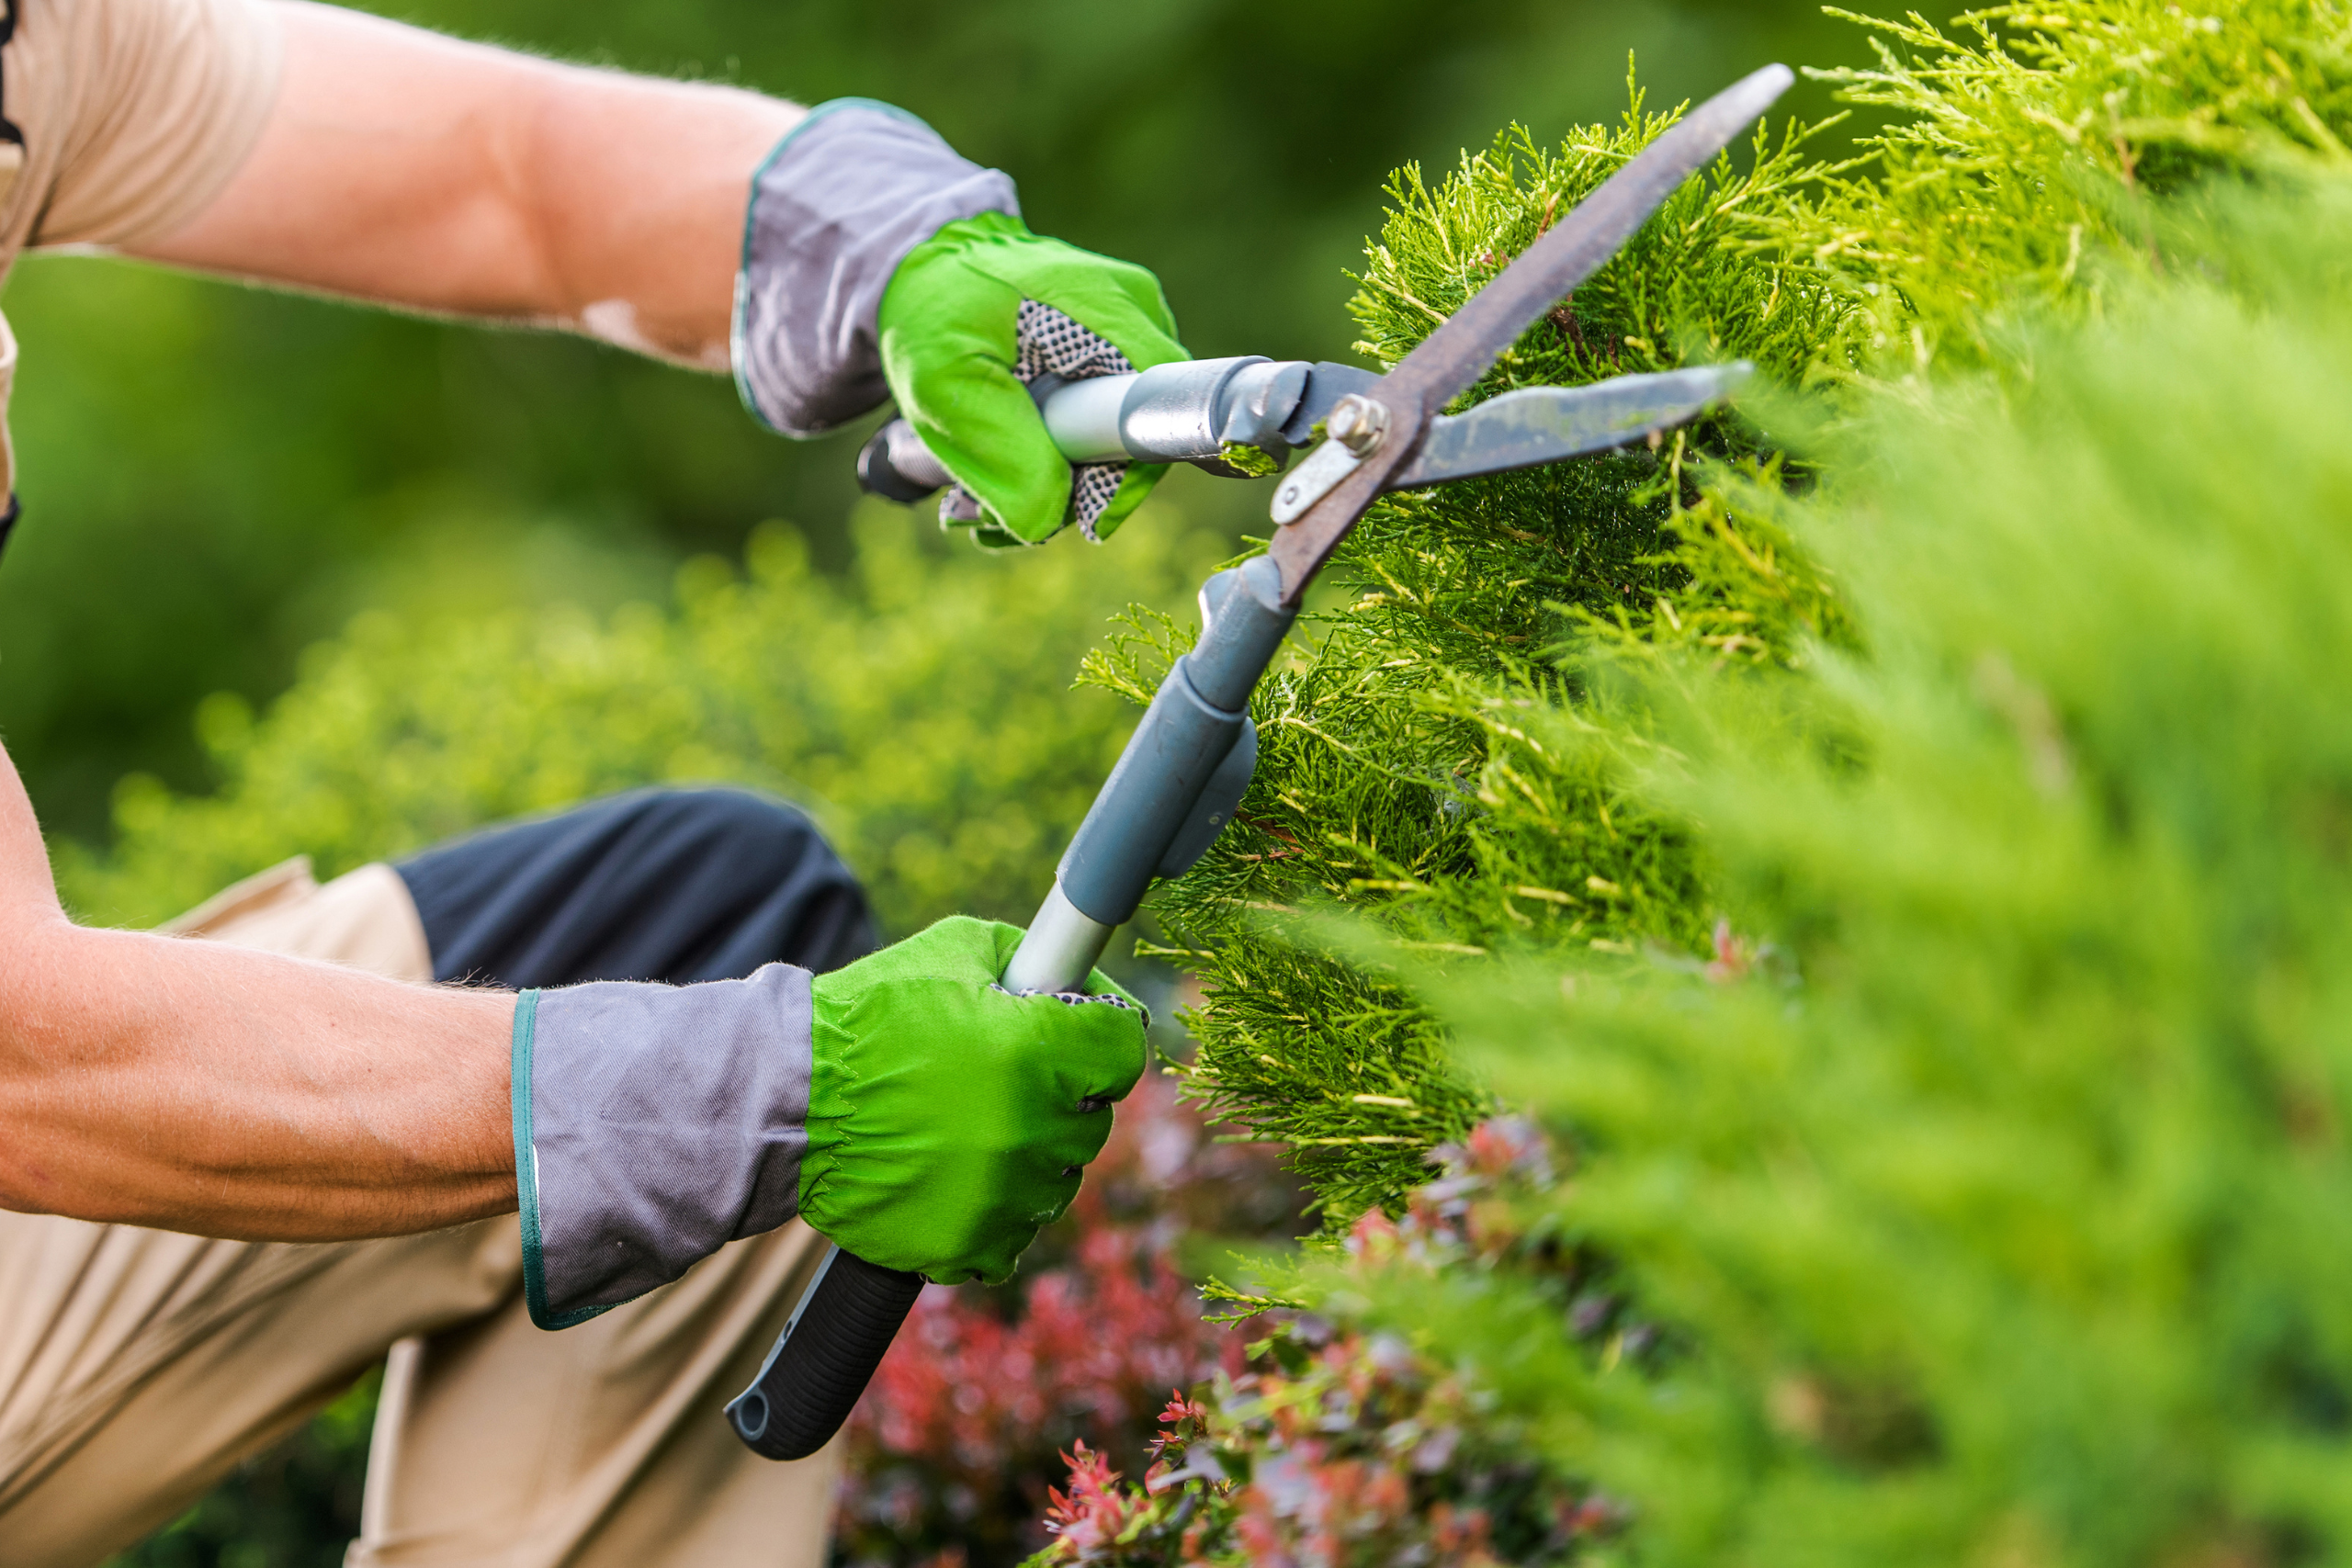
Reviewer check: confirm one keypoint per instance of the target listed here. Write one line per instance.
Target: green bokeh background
(214, 477)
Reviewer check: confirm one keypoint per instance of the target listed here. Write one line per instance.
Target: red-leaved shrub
(1344, 1447)
(960, 1438)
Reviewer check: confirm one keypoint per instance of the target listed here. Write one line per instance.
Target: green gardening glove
(948, 1118)
(975, 312)
(878, 260)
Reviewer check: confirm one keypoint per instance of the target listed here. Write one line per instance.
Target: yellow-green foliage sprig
(2028, 142)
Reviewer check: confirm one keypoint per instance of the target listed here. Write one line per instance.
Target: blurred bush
(1331, 1444)
(291, 1507)
(919, 707)
(1992, 1183)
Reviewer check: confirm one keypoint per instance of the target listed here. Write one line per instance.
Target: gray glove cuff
(652, 1125)
(845, 197)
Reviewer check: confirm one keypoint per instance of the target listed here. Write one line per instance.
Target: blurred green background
(214, 477)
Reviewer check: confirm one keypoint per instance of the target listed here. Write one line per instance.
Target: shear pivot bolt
(1357, 422)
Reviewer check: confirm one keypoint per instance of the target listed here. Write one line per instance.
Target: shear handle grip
(821, 1362)
(1082, 418)
(895, 465)
(1189, 411)
(847, 1317)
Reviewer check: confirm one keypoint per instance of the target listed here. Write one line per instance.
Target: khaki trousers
(138, 1367)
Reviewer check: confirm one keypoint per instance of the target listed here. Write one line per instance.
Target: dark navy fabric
(671, 885)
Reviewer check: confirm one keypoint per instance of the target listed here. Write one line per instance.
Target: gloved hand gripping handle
(1191, 412)
(1174, 789)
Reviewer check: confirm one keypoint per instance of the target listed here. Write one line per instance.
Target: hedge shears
(1184, 769)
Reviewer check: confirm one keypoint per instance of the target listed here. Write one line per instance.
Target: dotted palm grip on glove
(1054, 351)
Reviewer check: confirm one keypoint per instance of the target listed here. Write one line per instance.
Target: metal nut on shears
(1357, 423)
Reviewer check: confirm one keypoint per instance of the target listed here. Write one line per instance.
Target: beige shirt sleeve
(135, 113)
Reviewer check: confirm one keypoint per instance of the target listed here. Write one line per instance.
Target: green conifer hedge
(1894, 843)
(1974, 1190)
(2000, 1212)
(1431, 763)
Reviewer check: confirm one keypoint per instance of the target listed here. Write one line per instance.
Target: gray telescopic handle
(1186, 412)
(1174, 788)
(1061, 948)
(1146, 820)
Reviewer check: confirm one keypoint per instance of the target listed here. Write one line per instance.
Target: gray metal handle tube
(1243, 622)
(1181, 412)
(1062, 944)
(1173, 413)
(1185, 734)
(1112, 857)
(844, 1324)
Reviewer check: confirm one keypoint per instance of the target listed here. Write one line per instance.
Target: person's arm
(198, 1087)
(411, 169)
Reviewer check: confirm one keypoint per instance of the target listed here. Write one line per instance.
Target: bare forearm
(198, 1087)
(411, 169)
(241, 1094)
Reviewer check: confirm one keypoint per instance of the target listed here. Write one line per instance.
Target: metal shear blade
(1544, 425)
(1387, 426)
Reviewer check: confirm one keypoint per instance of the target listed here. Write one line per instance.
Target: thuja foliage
(1396, 767)
(2002, 1215)
(1400, 775)
(1429, 763)
(1949, 1045)
(2027, 140)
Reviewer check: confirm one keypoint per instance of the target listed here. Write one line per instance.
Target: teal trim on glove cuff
(750, 209)
(527, 1177)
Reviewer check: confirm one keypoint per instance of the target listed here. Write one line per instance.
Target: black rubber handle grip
(821, 1362)
(884, 461)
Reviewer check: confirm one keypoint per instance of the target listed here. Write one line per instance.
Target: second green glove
(907, 1106)
(949, 1119)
